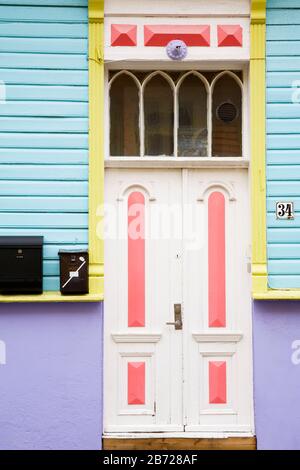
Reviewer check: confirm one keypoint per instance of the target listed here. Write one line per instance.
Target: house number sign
(285, 210)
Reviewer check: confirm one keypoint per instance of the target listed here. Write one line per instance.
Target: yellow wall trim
(51, 297)
(258, 12)
(96, 146)
(258, 147)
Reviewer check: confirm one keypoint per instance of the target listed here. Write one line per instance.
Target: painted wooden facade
(274, 149)
(283, 141)
(44, 126)
(58, 61)
(51, 170)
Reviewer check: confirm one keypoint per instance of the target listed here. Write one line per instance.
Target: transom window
(176, 114)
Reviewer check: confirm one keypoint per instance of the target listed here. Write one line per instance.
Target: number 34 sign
(285, 210)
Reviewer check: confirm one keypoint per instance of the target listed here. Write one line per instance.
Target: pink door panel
(216, 261)
(136, 260)
(136, 383)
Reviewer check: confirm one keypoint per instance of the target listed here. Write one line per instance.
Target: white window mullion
(176, 122)
(142, 123)
(209, 122)
(245, 107)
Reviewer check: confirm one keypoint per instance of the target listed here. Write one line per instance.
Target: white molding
(136, 337)
(210, 354)
(229, 430)
(218, 412)
(215, 185)
(126, 188)
(181, 435)
(186, 8)
(136, 412)
(198, 75)
(129, 430)
(230, 74)
(162, 74)
(176, 15)
(228, 337)
(176, 162)
(199, 54)
(205, 65)
(124, 72)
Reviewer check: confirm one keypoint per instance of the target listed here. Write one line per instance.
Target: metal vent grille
(227, 112)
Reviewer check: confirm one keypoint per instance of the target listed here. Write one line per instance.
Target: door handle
(177, 317)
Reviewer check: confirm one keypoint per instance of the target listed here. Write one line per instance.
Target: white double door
(177, 250)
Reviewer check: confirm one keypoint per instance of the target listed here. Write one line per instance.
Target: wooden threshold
(230, 443)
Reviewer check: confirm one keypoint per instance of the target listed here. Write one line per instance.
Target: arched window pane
(192, 131)
(227, 118)
(124, 118)
(159, 117)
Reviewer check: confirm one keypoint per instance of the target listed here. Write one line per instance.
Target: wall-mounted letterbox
(21, 265)
(74, 278)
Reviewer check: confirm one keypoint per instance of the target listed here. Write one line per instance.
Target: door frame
(185, 163)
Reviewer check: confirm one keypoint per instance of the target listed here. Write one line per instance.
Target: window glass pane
(159, 117)
(227, 118)
(192, 131)
(124, 118)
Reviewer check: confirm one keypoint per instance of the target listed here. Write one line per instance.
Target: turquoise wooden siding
(44, 125)
(283, 140)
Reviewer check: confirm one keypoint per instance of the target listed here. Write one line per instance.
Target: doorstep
(183, 443)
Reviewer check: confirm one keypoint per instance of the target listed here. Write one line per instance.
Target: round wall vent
(227, 112)
(177, 50)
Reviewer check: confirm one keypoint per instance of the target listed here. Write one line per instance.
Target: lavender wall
(276, 378)
(51, 385)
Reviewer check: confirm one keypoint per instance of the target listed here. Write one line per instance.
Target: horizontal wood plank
(44, 204)
(283, 235)
(43, 156)
(47, 14)
(280, 281)
(43, 61)
(44, 125)
(43, 188)
(44, 45)
(44, 77)
(46, 93)
(16, 28)
(51, 235)
(44, 109)
(72, 3)
(231, 443)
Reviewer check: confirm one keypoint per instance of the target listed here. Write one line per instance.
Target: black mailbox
(74, 277)
(21, 265)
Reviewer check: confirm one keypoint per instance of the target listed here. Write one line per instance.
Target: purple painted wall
(276, 378)
(51, 385)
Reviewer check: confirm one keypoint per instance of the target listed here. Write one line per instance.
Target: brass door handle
(177, 324)
(177, 317)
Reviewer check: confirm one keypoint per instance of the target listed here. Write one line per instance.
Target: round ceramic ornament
(177, 50)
